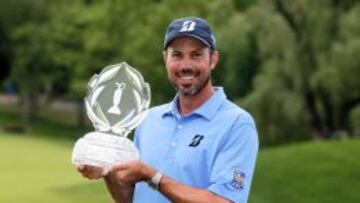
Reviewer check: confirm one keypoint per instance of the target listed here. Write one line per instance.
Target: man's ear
(164, 52)
(214, 58)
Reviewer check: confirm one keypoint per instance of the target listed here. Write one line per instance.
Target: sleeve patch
(238, 181)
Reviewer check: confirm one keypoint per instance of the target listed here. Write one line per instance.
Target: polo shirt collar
(206, 110)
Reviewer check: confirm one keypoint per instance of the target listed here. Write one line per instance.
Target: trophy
(117, 101)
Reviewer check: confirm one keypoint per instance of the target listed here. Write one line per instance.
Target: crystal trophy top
(117, 101)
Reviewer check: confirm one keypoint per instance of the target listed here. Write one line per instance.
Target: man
(198, 148)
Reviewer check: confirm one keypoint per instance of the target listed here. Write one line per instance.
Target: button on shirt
(214, 148)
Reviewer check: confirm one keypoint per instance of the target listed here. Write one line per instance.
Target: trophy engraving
(117, 101)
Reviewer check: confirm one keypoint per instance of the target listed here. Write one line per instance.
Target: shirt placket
(170, 155)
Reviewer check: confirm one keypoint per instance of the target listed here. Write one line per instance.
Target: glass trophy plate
(117, 101)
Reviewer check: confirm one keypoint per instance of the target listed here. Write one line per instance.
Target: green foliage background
(294, 65)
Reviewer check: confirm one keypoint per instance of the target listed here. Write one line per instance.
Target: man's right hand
(90, 172)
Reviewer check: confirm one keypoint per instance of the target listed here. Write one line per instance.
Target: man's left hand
(132, 172)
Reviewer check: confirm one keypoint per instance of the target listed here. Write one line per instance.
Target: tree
(239, 56)
(31, 67)
(308, 64)
(5, 54)
(81, 44)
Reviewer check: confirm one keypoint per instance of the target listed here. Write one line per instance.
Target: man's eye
(197, 55)
(176, 55)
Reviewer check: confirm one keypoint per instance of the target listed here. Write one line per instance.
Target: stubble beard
(192, 91)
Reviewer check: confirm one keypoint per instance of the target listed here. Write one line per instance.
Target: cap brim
(179, 35)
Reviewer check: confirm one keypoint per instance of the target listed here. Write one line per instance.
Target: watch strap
(154, 182)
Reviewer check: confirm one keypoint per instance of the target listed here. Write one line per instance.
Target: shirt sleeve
(233, 167)
(136, 137)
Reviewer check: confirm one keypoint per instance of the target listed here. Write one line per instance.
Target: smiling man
(200, 147)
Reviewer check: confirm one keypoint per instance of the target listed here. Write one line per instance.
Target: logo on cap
(188, 26)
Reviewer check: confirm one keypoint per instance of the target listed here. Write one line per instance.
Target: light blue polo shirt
(213, 148)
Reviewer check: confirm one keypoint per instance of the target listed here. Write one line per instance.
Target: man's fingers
(124, 165)
(118, 167)
(90, 172)
(80, 168)
(106, 171)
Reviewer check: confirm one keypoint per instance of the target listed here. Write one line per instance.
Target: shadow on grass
(81, 191)
(83, 188)
(57, 125)
(48, 124)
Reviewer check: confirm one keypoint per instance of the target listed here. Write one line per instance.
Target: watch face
(153, 185)
(117, 99)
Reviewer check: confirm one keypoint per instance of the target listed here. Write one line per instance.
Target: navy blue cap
(190, 27)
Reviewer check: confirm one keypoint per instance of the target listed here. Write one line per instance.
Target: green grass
(315, 172)
(39, 170)
(36, 167)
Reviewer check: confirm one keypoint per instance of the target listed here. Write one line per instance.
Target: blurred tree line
(293, 64)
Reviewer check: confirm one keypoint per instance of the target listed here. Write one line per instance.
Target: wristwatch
(154, 182)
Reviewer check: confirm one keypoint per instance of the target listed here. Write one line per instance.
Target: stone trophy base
(103, 150)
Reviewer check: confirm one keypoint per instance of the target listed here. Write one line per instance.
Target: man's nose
(186, 63)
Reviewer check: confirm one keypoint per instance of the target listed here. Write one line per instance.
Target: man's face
(189, 64)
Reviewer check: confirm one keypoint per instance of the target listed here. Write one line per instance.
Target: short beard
(196, 89)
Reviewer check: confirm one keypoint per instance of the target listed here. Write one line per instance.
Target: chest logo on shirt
(196, 140)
